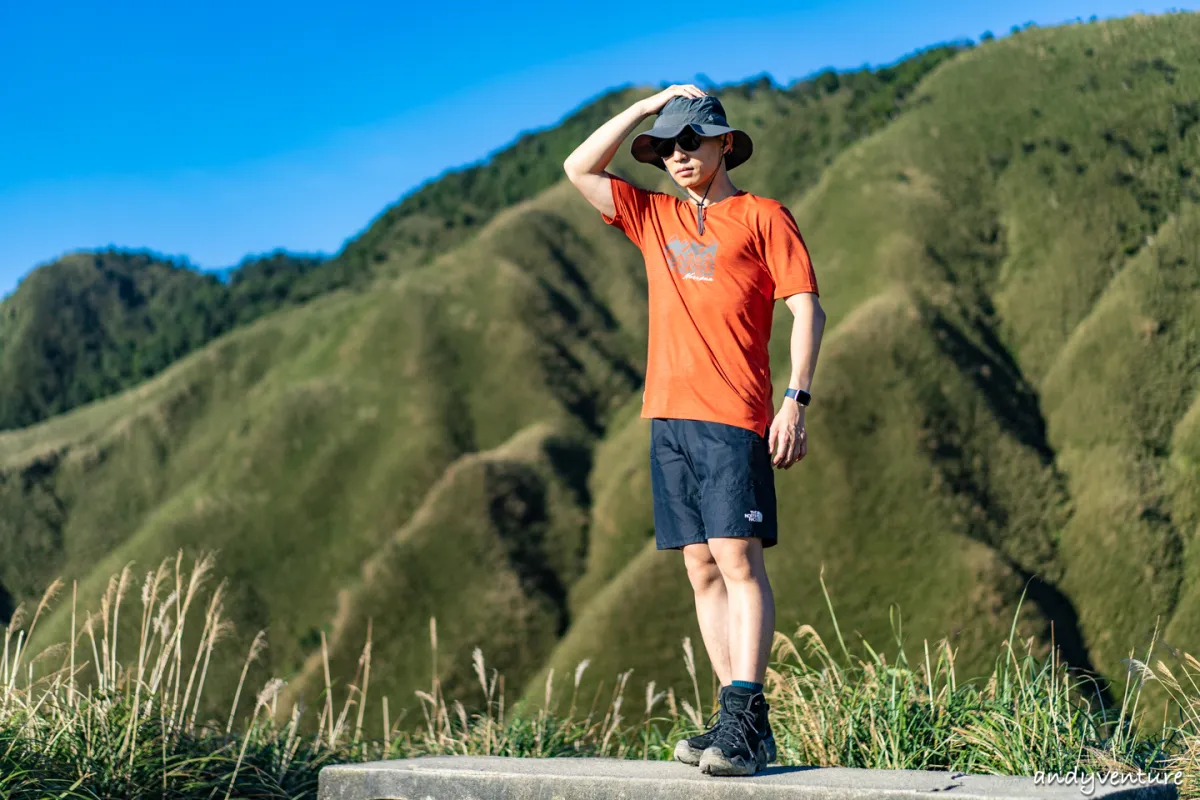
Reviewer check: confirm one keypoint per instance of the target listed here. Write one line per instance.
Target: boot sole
(687, 754)
(714, 762)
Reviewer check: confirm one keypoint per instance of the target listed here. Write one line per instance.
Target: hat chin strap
(700, 203)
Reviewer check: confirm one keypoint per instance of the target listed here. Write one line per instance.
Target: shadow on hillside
(1065, 632)
(999, 379)
(520, 510)
(573, 461)
(6, 606)
(982, 357)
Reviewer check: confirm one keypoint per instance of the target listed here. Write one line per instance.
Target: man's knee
(702, 568)
(739, 560)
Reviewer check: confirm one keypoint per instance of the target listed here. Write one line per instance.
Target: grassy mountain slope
(300, 445)
(1006, 396)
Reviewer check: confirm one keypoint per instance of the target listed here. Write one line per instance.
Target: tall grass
(1030, 714)
(96, 726)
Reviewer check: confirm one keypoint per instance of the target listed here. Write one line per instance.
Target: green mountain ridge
(1007, 397)
(93, 323)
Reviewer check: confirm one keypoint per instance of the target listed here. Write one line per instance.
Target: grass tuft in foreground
(98, 727)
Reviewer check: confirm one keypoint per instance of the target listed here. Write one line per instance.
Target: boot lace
(731, 733)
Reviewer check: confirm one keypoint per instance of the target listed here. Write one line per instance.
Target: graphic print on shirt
(690, 259)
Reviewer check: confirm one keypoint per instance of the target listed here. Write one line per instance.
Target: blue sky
(220, 129)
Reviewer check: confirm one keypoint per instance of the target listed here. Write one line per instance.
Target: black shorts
(709, 480)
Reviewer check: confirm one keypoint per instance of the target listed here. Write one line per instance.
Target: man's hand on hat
(655, 103)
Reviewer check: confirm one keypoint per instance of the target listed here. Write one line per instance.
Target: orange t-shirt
(711, 300)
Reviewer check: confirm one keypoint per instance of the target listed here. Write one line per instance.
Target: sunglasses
(688, 141)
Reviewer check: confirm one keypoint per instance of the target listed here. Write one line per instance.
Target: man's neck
(720, 188)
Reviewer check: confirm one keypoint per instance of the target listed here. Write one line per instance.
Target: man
(715, 264)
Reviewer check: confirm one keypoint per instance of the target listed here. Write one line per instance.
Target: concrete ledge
(492, 778)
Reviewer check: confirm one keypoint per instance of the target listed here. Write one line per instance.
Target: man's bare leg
(712, 607)
(751, 625)
(751, 606)
(712, 611)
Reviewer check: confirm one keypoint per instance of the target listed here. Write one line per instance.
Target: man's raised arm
(585, 167)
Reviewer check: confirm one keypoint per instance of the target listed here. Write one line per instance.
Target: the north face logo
(692, 260)
(754, 516)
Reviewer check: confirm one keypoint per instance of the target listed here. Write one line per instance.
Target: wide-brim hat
(705, 115)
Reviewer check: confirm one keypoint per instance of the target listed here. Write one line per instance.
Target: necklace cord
(700, 203)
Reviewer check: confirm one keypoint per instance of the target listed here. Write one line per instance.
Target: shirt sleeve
(634, 206)
(786, 254)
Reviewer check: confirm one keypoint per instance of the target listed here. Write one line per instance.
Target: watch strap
(799, 395)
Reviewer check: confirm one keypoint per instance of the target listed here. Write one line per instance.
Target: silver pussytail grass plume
(267, 694)
(365, 661)
(256, 647)
(327, 713)
(580, 668)
(689, 661)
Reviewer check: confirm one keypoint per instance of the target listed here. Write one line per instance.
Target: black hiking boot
(739, 746)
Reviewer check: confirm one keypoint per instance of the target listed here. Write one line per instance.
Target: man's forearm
(808, 325)
(598, 149)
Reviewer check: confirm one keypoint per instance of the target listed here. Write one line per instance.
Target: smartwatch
(799, 395)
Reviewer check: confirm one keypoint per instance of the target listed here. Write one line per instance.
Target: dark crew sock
(753, 688)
